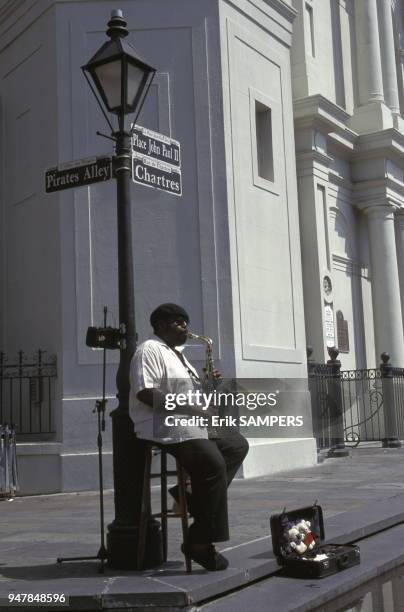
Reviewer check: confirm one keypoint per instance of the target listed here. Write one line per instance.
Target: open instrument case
(298, 544)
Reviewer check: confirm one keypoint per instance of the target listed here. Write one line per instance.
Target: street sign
(151, 173)
(78, 173)
(156, 160)
(157, 146)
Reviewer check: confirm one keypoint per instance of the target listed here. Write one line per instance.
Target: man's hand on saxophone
(216, 374)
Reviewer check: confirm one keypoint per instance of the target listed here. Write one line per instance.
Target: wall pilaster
(371, 113)
(388, 57)
(400, 253)
(370, 79)
(386, 299)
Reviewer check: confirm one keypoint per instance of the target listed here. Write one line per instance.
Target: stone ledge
(171, 589)
(39, 448)
(270, 456)
(378, 556)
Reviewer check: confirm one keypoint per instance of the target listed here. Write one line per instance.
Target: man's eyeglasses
(180, 323)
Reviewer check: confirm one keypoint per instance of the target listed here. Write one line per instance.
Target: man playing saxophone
(158, 368)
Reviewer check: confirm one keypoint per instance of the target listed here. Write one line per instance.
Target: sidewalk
(34, 531)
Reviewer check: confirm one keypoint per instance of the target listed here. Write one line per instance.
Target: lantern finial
(117, 25)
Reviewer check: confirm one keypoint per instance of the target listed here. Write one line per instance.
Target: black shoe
(174, 492)
(210, 559)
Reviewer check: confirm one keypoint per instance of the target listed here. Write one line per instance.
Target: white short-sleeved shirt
(155, 365)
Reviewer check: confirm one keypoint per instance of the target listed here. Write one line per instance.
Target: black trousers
(211, 465)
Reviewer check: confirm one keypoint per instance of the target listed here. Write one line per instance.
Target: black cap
(164, 312)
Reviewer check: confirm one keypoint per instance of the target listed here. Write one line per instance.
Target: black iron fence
(319, 374)
(398, 391)
(362, 402)
(351, 406)
(27, 391)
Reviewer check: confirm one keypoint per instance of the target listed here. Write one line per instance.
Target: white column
(370, 79)
(400, 253)
(388, 56)
(387, 319)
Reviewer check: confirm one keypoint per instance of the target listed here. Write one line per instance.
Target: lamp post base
(129, 464)
(391, 443)
(122, 546)
(336, 452)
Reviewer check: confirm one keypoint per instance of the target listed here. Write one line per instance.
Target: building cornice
(378, 192)
(318, 108)
(18, 15)
(314, 155)
(341, 262)
(283, 8)
(275, 16)
(317, 112)
(386, 143)
(339, 180)
(343, 142)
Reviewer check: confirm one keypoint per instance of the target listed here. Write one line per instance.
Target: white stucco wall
(195, 250)
(30, 256)
(265, 253)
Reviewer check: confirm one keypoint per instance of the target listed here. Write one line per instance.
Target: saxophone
(210, 381)
(209, 364)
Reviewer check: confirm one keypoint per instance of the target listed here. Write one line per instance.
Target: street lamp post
(122, 79)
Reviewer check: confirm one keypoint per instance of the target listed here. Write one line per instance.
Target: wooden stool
(164, 514)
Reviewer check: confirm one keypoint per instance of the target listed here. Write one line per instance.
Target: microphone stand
(100, 404)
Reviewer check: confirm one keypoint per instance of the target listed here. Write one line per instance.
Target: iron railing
(398, 391)
(356, 405)
(27, 391)
(362, 401)
(319, 374)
